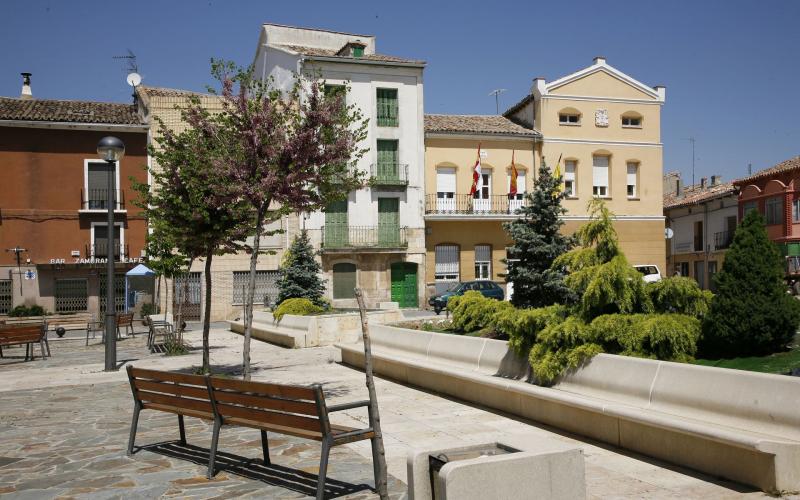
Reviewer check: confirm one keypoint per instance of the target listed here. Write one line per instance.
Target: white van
(650, 273)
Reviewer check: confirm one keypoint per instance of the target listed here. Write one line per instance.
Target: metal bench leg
(41, 348)
(375, 468)
(134, 425)
(212, 455)
(265, 447)
(323, 468)
(182, 429)
(47, 344)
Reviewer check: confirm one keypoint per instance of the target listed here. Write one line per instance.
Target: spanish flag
(476, 174)
(512, 186)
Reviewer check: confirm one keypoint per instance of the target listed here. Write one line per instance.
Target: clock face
(601, 118)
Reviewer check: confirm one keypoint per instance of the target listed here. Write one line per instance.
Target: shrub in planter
(679, 295)
(296, 306)
(19, 312)
(523, 325)
(472, 311)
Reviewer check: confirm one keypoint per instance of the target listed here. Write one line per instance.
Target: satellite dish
(668, 233)
(134, 79)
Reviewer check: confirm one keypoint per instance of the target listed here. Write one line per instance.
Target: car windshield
(455, 287)
(647, 270)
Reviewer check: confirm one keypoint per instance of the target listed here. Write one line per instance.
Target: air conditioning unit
(75, 253)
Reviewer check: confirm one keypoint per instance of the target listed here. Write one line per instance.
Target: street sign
(30, 275)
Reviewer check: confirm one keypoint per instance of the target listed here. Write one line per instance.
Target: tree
(285, 151)
(163, 259)
(191, 203)
(300, 273)
(751, 313)
(537, 242)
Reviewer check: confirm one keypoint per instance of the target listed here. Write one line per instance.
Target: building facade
(605, 126)
(703, 219)
(375, 239)
(229, 273)
(775, 193)
(54, 200)
(465, 239)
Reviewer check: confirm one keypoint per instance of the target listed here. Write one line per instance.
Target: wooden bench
(77, 321)
(157, 327)
(125, 320)
(28, 335)
(284, 409)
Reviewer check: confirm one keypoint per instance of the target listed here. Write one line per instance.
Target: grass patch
(781, 362)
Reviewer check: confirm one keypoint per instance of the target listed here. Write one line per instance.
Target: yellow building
(606, 128)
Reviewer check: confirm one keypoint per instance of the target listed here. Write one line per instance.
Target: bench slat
(282, 429)
(156, 375)
(178, 410)
(285, 391)
(174, 389)
(267, 403)
(178, 402)
(270, 417)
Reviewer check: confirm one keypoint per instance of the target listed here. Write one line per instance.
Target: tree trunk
(179, 318)
(251, 290)
(166, 296)
(207, 314)
(374, 415)
(157, 300)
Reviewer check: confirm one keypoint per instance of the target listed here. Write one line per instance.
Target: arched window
(631, 119)
(569, 116)
(344, 280)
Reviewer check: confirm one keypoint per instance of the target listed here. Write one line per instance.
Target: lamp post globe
(111, 149)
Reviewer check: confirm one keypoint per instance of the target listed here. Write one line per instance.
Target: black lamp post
(111, 150)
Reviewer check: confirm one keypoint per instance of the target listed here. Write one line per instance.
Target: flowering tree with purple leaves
(283, 151)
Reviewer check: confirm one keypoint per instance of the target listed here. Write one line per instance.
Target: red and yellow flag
(476, 173)
(512, 186)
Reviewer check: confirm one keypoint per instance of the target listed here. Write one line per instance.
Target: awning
(141, 270)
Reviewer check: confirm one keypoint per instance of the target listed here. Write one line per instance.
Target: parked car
(487, 288)
(650, 273)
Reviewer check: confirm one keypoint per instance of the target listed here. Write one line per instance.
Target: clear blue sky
(731, 68)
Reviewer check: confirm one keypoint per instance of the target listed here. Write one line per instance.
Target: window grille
(5, 296)
(387, 107)
(119, 293)
(71, 295)
(266, 286)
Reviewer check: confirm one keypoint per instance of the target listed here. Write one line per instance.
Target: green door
(404, 284)
(388, 222)
(388, 170)
(336, 228)
(344, 280)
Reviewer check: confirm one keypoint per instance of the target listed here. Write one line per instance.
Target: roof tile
(476, 124)
(314, 51)
(784, 166)
(50, 110)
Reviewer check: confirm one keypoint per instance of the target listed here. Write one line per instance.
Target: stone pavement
(63, 428)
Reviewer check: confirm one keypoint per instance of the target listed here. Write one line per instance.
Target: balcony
(389, 176)
(342, 237)
(461, 205)
(723, 240)
(100, 251)
(97, 200)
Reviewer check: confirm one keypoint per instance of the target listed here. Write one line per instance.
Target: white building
(376, 239)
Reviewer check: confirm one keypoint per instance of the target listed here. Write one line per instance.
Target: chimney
(678, 187)
(599, 60)
(716, 180)
(26, 86)
(703, 182)
(539, 86)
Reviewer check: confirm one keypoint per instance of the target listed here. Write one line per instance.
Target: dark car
(487, 288)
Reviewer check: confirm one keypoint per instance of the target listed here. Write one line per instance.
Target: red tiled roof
(50, 110)
(784, 166)
(693, 195)
(476, 124)
(313, 51)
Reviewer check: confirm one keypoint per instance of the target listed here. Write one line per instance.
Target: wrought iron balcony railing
(723, 240)
(97, 199)
(99, 250)
(342, 236)
(466, 204)
(388, 174)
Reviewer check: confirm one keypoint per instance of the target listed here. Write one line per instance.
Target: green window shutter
(388, 168)
(336, 227)
(344, 281)
(387, 107)
(358, 51)
(388, 221)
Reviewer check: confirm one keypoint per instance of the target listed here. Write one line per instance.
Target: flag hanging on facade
(476, 174)
(512, 185)
(557, 174)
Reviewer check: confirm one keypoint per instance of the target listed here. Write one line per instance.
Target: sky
(731, 67)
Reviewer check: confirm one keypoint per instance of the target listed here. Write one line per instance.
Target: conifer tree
(751, 313)
(300, 273)
(537, 242)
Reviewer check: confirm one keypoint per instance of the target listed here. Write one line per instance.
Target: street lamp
(111, 150)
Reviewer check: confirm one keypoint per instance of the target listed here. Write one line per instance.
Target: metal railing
(100, 251)
(97, 199)
(388, 174)
(335, 236)
(458, 204)
(723, 240)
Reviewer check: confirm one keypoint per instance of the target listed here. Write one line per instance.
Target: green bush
(297, 306)
(472, 311)
(679, 295)
(23, 311)
(523, 325)
(148, 309)
(669, 337)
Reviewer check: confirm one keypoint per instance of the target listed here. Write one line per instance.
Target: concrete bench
(740, 425)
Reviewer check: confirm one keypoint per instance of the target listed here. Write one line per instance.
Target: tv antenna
(692, 140)
(133, 67)
(496, 93)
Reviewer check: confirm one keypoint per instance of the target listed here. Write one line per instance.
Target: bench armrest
(348, 406)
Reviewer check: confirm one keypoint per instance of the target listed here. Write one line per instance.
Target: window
(99, 246)
(358, 51)
(387, 107)
(515, 201)
(600, 176)
(5, 296)
(344, 281)
(71, 295)
(570, 188)
(388, 168)
(119, 293)
(629, 121)
(337, 229)
(266, 287)
(633, 174)
(683, 269)
(96, 195)
(569, 119)
(774, 209)
(483, 262)
(482, 198)
(445, 189)
(748, 206)
(446, 263)
(698, 236)
(796, 210)
(700, 273)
